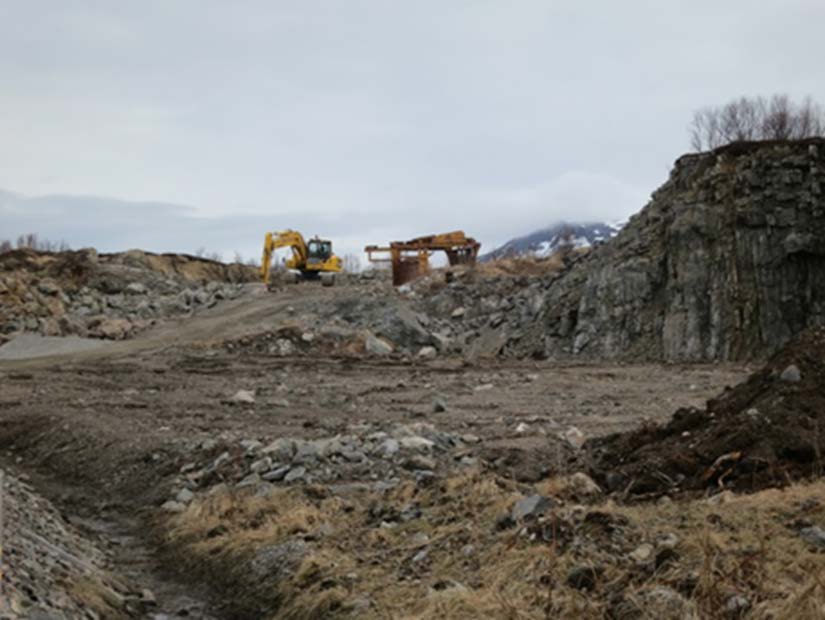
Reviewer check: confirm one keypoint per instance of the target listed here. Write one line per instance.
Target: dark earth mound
(767, 431)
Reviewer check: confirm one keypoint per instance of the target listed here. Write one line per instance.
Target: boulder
(531, 507)
(377, 346)
(791, 374)
(244, 397)
(427, 353)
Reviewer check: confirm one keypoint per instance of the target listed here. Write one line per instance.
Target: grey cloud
(370, 119)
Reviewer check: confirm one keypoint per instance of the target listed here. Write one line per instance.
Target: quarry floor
(99, 432)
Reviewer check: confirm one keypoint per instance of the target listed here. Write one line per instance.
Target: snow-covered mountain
(547, 241)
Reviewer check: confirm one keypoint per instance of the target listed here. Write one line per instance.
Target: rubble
(364, 454)
(44, 558)
(108, 296)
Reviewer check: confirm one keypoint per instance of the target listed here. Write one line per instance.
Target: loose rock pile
(49, 570)
(366, 456)
(107, 296)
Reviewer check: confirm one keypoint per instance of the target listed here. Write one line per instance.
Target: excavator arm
(283, 239)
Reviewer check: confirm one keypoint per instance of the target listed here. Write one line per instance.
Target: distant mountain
(547, 241)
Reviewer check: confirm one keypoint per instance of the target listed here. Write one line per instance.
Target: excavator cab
(319, 251)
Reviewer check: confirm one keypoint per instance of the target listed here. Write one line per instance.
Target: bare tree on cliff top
(777, 118)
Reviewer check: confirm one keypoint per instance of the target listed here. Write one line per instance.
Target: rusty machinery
(411, 259)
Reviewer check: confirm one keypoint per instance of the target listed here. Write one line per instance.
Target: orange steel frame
(411, 259)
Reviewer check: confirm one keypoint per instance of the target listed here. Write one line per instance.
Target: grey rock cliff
(727, 261)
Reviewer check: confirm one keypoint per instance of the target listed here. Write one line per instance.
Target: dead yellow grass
(747, 547)
(90, 593)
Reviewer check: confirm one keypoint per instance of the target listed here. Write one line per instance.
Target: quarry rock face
(726, 262)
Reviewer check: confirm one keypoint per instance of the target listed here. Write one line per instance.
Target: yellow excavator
(309, 261)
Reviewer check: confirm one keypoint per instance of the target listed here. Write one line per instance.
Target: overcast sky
(365, 121)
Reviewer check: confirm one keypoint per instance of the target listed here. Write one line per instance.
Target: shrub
(744, 119)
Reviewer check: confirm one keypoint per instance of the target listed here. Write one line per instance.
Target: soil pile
(765, 432)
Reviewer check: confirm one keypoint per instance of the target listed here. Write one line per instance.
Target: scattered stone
(814, 536)
(643, 554)
(261, 465)
(208, 444)
(147, 598)
(791, 374)
(574, 437)
(390, 447)
(246, 397)
(737, 605)
(222, 460)
(484, 387)
(721, 498)
(416, 443)
(427, 353)
(173, 507)
(250, 480)
(276, 474)
(250, 445)
(531, 507)
(439, 404)
(458, 313)
(283, 347)
(667, 541)
(420, 556)
(276, 562)
(307, 451)
(184, 496)
(136, 288)
(280, 450)
(377, 346)
(295, 474)
(522, 428)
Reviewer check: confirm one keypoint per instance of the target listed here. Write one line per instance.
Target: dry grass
(90, 593)
(747, 547)
(528, 265)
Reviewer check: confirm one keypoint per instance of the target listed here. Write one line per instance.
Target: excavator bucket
(411, 259)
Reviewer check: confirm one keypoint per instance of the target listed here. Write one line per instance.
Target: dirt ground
(104, 433)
